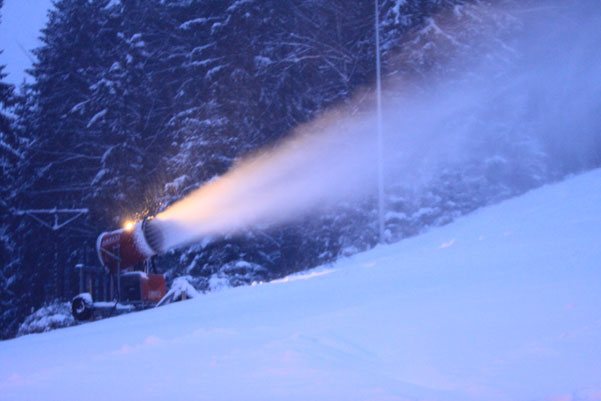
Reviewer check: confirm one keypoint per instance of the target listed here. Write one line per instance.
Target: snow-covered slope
(504, 304)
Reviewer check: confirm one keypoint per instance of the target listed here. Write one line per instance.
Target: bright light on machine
(129, 225)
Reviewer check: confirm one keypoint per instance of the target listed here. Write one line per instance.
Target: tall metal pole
(379, 126)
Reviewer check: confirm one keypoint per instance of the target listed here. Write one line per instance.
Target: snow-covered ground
(504, 304)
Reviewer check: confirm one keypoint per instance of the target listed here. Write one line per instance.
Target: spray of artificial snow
(547, 91)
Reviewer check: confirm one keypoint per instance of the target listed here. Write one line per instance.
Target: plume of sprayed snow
(547, 94)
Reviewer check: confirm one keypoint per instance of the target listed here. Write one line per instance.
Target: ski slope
(503, 304)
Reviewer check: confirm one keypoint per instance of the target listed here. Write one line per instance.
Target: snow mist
(536, 84)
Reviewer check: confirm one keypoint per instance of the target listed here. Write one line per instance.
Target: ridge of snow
(10, 149)
(188, 24)
(96, 117)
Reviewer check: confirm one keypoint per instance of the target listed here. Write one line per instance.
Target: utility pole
(379, 127)
(34, 213)
(55, 225)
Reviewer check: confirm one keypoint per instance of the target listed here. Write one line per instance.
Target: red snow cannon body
(138, 286)
(126, 256)
(128, 247)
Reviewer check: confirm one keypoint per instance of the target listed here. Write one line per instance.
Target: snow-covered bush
(180, 290)
(48, 318)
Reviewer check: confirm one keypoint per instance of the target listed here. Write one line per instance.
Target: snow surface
(503, 304)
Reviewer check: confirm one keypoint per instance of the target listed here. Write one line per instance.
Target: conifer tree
(64, 147)
(10, 155)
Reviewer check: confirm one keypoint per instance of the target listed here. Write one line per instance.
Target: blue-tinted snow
(504, 304)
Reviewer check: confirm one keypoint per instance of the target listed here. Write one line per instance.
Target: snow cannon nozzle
(153, 235)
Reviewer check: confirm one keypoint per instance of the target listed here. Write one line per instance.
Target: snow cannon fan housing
(127, 247)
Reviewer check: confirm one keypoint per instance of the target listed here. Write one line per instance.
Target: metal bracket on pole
(33, 213)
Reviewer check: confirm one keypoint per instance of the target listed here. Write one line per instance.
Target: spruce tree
(10, 155)
(65, 149)
(8, 145)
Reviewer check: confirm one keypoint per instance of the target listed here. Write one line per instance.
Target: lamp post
(379, 128)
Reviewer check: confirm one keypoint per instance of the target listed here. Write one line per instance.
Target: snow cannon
(130, 246)
(126, 256)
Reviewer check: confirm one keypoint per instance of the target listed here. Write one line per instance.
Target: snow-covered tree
(10, 157)
(136, 103)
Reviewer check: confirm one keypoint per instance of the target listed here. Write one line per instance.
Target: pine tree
(10, 155)
(8, 141)
(64, 149)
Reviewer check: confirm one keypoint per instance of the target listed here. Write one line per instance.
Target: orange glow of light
(129, 225)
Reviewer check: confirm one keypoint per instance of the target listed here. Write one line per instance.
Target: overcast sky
(19, 31)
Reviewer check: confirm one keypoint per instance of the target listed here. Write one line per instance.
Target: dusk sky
(19, 31)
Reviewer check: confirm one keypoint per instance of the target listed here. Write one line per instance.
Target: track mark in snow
(150, 341)
(370, 264)
(447, 244)
(13, 380)
(304, 276)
